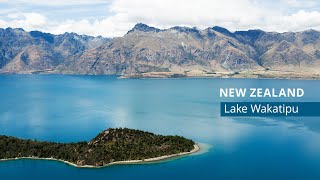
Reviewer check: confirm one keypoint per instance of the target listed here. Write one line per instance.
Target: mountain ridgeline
(27, 52)
(148, 49)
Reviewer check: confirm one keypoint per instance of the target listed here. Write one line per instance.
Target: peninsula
(112, 146)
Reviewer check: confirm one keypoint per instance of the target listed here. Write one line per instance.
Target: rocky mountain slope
(182, 49)
(148, 49)
(23, 52)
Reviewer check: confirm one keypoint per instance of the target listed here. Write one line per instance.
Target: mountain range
(146, 49)
(25, 52)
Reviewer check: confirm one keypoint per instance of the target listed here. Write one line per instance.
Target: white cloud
(234, 15)
(300, 3)
(2, 23)
(57, 2)
(34, 20)
(28, 21)
(301, 20)
(14, 15)
(201, 13)
(292, 3)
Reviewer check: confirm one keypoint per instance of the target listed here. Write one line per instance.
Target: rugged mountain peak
(15, 31)
(311, 31)
(46, 36)
(223, 31)
(185, 29)
(193, 31)
(29, 52)
(144, 28)
(310, 36)
(254, 33)
(249, 36)
(69, 35)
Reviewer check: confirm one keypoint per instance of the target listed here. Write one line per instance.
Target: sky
(113, 18)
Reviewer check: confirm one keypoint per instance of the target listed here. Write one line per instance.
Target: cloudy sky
(111, 18)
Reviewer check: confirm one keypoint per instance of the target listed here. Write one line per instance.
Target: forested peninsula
(112, 146)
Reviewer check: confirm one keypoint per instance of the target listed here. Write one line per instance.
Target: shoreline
(250, 74)
(294, 74)
(149, 160)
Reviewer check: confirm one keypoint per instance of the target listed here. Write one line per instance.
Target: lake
(65, 108)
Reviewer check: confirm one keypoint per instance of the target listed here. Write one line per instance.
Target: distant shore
(149, 160)
(305, 74)
(259, 74)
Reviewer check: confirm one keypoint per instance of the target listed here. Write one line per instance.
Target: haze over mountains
(148, 49)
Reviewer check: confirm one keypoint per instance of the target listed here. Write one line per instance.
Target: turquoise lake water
(75, 108)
